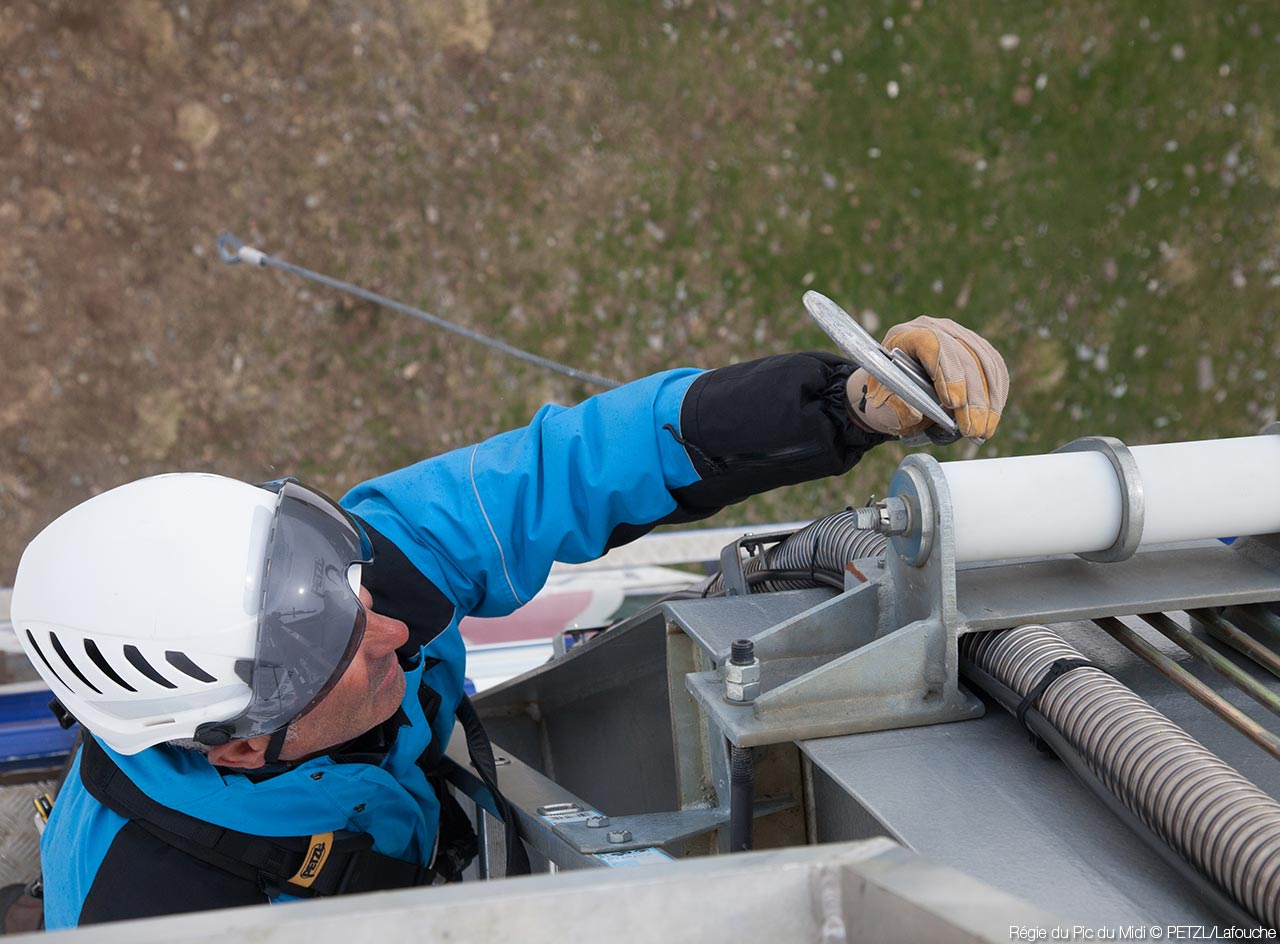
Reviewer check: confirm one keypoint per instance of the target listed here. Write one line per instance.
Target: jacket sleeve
(763, 424)
(485, 523)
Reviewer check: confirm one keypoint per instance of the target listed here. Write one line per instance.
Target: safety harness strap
(481, 750)
(338, 863)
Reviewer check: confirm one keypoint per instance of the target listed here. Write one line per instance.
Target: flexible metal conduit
(824, 545)
(1204, 809)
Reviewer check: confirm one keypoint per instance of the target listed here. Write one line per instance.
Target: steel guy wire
(231, 250)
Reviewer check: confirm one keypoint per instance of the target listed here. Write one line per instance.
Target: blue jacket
(474, 531)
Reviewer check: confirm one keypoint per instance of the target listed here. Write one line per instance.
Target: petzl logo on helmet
(317, 577)
(321, 846)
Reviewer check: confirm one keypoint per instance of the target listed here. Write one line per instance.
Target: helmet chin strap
(274, 746)
(271, 762)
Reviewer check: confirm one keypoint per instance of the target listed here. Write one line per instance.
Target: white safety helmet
(192, 606)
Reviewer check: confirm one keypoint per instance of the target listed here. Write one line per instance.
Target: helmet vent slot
(62, 654)
(100, 661)
(45, 659)
(137, 660)
(181, 662)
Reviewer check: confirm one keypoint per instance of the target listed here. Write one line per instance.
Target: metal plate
(715, 624)
(872, 891)
(865, 351)
(978, 796)
(591, 714)
(19, 841)
(1003, 595)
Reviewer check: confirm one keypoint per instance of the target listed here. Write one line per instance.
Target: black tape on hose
(1059, 668)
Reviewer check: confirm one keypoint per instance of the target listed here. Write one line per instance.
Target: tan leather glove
(968, 373)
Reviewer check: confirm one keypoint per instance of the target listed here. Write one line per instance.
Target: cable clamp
(1059, 668)
(231, 251)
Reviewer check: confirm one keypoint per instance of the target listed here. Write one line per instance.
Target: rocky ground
(621, 186)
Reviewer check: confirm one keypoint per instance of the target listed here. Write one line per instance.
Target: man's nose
(382, 634)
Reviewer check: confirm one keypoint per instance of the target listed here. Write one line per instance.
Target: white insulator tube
(1070, 502)
(1029, 506)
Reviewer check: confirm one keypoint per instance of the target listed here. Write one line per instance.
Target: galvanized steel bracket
(880, 655)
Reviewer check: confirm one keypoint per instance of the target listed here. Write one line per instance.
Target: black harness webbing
(338, 863)
(306, 866)
(480, 749)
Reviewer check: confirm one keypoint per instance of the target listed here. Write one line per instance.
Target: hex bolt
(866, 519)
(597, 822)
(741, 673)
(619, 835)
(741, 802)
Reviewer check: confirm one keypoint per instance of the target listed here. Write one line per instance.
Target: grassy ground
(622, 186)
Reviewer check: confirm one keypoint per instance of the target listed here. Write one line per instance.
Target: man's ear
(246, 754)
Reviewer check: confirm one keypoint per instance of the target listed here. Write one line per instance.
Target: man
(268, 680)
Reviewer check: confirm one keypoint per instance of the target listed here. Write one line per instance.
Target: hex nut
(597, 822)
(895, 517)
(739, 692)
(618, 836)
(741, 682)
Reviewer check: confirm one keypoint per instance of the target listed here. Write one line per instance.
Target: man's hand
(968, 373)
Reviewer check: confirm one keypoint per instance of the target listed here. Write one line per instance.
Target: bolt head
(619, 835)
(597, 822)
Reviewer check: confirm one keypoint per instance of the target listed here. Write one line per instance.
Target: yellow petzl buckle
(317, 855)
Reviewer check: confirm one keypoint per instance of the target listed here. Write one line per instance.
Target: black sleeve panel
(141, 876)
(753, 427)
(401, 592)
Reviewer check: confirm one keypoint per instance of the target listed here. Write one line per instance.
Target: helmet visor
(310, 620)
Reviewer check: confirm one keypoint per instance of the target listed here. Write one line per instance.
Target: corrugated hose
(1206, 811)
